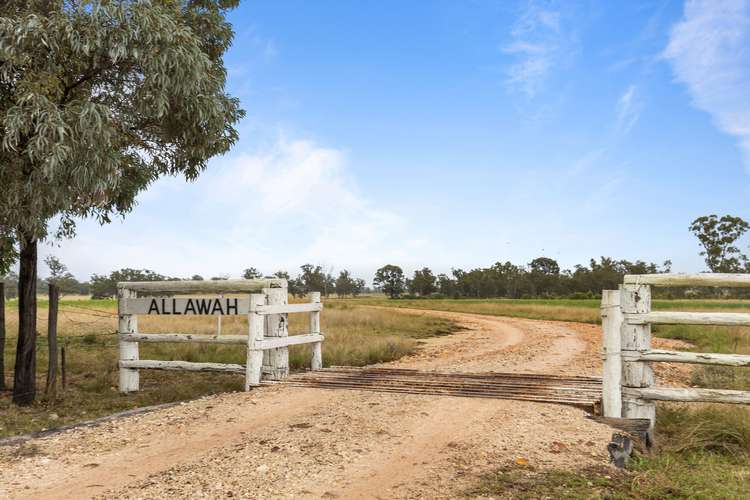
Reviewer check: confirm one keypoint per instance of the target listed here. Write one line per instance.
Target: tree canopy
(718, 237)
(98, 99)
(346, 284)
(423, 282)
(251, 273)
(62, 278)
(390, 279)
(105, 286)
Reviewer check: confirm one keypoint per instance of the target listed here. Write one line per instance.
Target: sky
(455, 135)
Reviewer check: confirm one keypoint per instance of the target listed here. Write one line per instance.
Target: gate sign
(168, 306)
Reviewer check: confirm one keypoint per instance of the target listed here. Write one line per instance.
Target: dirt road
(310, 443)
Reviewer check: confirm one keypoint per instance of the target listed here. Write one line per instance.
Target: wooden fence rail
(700, 358)
(688, 395)
(677, 279)
(628, 382)
(267, 339)
(689, 318)
(183, 338)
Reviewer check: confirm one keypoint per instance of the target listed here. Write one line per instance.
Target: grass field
(583, 311)
(703, 450)
(354, 336)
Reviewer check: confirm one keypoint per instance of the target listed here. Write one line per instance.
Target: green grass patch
(529, 483)
(583, 311)
(712, 429)
(703, 452)
(713, 339)
(665, 476)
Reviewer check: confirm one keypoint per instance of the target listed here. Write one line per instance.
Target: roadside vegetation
(703, 452)
(354, 336)
(582, 311)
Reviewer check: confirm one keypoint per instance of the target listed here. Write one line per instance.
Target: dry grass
(582, 311)
(664, 476)
(354, 336)
(717, 429)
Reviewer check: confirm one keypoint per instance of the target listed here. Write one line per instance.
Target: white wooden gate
(628, 381)
(267, 339)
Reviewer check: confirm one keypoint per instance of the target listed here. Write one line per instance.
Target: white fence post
(268, 318)
(218, 321)
(128, 351)
(636, 299)
(276, 361)
(317, 347)
(612, 376)
(255, 321)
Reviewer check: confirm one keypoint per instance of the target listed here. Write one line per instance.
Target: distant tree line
(311, 278)
(59, 275)
(542, 277)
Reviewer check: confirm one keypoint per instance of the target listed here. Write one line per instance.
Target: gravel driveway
(288, 442)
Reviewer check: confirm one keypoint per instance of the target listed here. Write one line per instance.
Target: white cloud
(276, 208)
(708, 50)
(536, 42)
(628, 110)
(299, 183)
(286, 177)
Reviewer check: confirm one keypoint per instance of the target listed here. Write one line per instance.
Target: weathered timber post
(218, 321)
(276, 361)
(51, 387)
(127, 324)
(636, 299)
(2, 336)
(63, 368)
(255, 322)
(317, 347)
(611, 342)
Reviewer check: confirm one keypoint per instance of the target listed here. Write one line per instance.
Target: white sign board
(168, 306)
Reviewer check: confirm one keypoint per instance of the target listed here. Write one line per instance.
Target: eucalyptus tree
(390, 280)
(423, 282)
(251, 273)
(98, 99)
(718, 237)
(345, 284)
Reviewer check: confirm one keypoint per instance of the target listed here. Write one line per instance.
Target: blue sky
(457, 134)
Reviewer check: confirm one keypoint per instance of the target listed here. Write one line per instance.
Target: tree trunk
(24, 382)
(2, 336)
